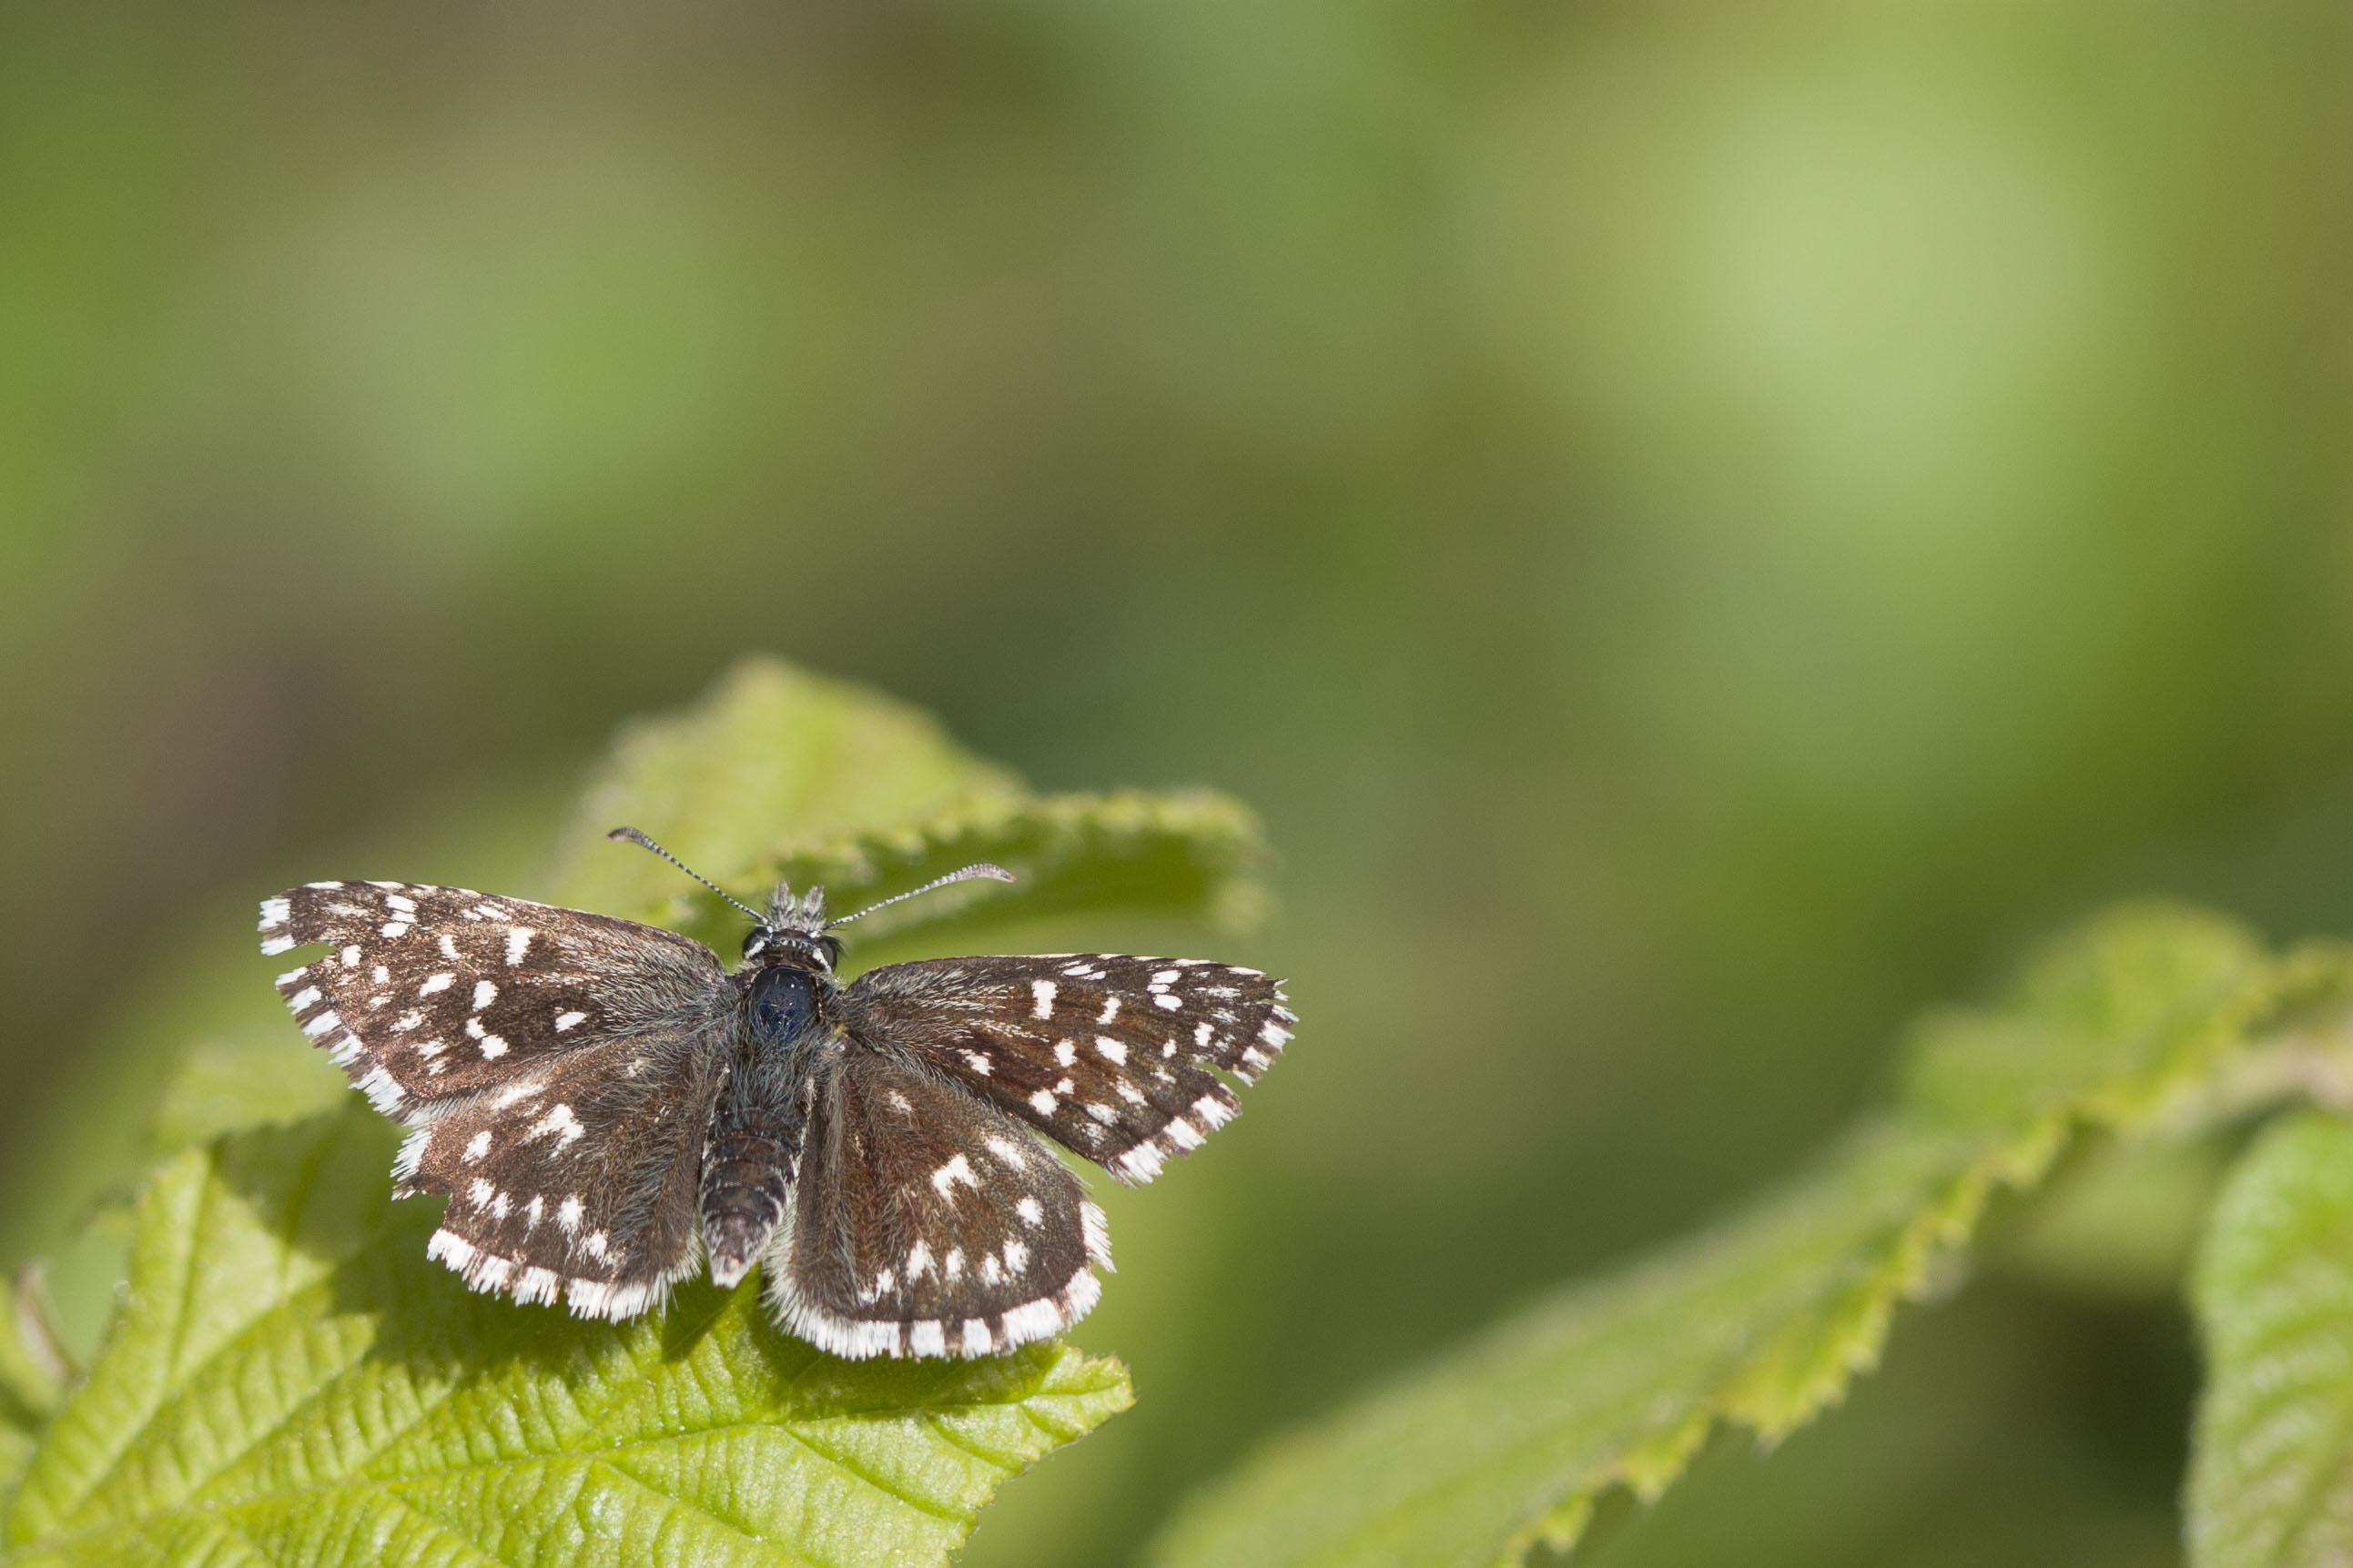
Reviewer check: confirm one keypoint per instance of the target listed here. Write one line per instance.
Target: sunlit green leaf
(1763, 1319)
(772, 758)
(780, 775)
(290, 1381)
(2270, 1482)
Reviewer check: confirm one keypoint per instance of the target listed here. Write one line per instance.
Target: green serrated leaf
(778, 775)
(290, 1381)
(2271, 1477)
(774, 761)
(1763, 1320)
(257, 1078)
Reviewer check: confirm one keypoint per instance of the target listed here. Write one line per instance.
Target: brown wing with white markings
(925, 1222)
(558, 1067)
(1107, 1054)
(577, 1178)
(432, 993)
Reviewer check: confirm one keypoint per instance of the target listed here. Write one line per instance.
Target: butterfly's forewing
(559, 1069)
(925, 1222)
(1104, 1053)
(431, 992)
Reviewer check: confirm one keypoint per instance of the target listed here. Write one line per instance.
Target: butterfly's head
(792, 932)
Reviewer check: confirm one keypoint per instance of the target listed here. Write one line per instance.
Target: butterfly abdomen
(745, 1175)
(755, 1146)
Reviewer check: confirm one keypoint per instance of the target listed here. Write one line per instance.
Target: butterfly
(609, 1111)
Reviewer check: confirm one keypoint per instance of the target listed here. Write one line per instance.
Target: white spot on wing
(567, 1020)
(1043, 990)
(434, 982)
(957, 1169)
(1031, 1211)
(1110, 1050)
(484, 994)
(476, 1147)
(560, 1121)
(1110, 1010)
(517, 943)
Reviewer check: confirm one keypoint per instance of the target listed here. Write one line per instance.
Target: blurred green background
(1701, 527)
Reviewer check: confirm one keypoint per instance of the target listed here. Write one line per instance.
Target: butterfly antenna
(632, 836)
(994, 873)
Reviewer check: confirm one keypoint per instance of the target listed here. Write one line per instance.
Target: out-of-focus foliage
(2274, 1291)
(1762, 1320)
(1700, 528)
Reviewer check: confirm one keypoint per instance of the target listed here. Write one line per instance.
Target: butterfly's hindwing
(925, 1222)
(577, 1178)
(1105, 1053)
(431, 993)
